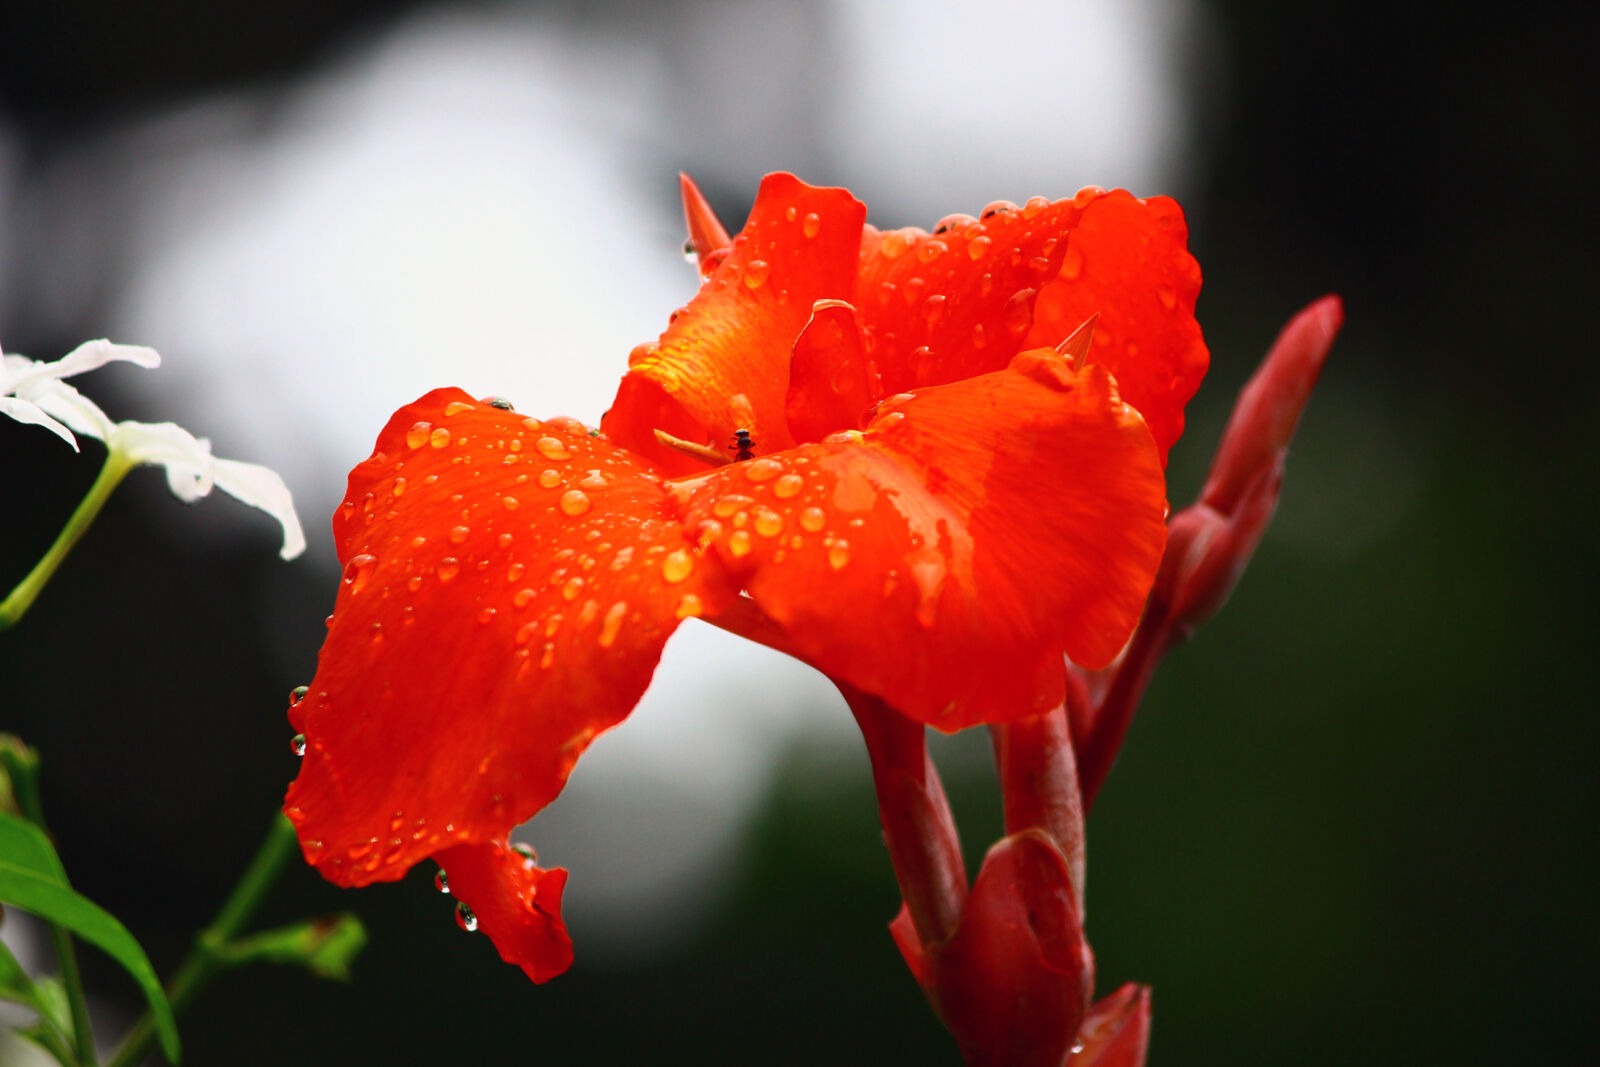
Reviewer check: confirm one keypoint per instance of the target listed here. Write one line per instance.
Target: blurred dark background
(1354, 821)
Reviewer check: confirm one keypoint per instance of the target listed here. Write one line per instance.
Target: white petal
(85, 357)
(260, 487)
(187, 458)
(65, 403)
(32, 414)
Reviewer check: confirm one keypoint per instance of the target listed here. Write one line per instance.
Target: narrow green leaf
(15, 985)
(31, 877)
(324, 946)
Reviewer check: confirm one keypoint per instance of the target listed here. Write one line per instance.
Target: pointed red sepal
(707, 236)
(515, 902)
(928, 524)
(831, 381)
(1269, 407)
(1075, 349)
(1116, 1032)
(723, 362)
(1013, 984)
(1127, 259)
(508, 587)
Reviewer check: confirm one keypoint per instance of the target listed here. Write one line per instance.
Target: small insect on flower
(742, 446)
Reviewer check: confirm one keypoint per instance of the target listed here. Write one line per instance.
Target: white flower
(32, 392)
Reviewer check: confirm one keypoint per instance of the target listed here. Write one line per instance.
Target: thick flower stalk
(929, 464)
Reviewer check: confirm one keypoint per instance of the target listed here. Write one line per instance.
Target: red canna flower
(928, 502)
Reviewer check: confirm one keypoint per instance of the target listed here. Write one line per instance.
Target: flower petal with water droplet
(516, 903)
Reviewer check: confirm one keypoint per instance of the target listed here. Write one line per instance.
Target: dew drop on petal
(414, 582)
(755, 273)
(441, 882)
(931, 250)
(739, 542)
(787, 486)
(552, 448)
(689, 607)
(1169, 299)
(978, 246)
(529, 856)
(676, 567)
(611, 625)
(357, 571)
(486, 615)
(811, 225)
(999, 207)
(895, 244)
(762, 470)
(297, 744)
(549, 479)
(399, 487)
(522, 597)
(571, 589)
(574, 502)
(813, 519)
(464, 917)
(456, 407)
(439, 437)
(933, 309)
(1034, 205)
(768, 523)
(459, 534)
(725, 506)
(1018, 312)
(297, 694)
(417, 436)
(448, 568)
(838, 554)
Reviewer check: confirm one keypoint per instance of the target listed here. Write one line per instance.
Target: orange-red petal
(1127, 260)
(515, 902)
(831, 382)
(958, 302)
(508, 585)
(944, 558)
(723, 362)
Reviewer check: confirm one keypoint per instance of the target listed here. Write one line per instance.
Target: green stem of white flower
(22, 597)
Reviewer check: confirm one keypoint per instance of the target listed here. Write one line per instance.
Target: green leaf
(32, 878)
(325, 946)
(15, 985)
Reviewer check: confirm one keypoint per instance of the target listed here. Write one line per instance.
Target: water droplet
(549, 479)
(838, 554)
(707, 531)
(1072, 262)
(895, 244)
(950, 222)
(979, 338)
(1169, 299)
(978, 246)
(787, 486)
(486, 615)
(504, 540)
(768, 523)
(594, 480)
(456, 407)
(297, 744)
(755, 273)
(611, 625)
(439, 437)
(931, 250)
(689, 606)
(414, 582)
(417, 436)
(399, 487)
(676, 567)
(448, 568)
(522, 597)
(999, 207)
(1034, 205)
(690, 253)
(933, 309)
(574, 502)
(1087, 195)
(499, 402)
(357, 570)
(762, 470)
(813, 519)
(572, 587)
(441, 882)
(732, 502)
(739, 543)
(1018, 312)
(552, 448)
(459, 534)
(811, 225)
(529, 856)
(464, 917)
(297, 694)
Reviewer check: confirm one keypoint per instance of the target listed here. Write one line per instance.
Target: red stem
(1039, 782)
